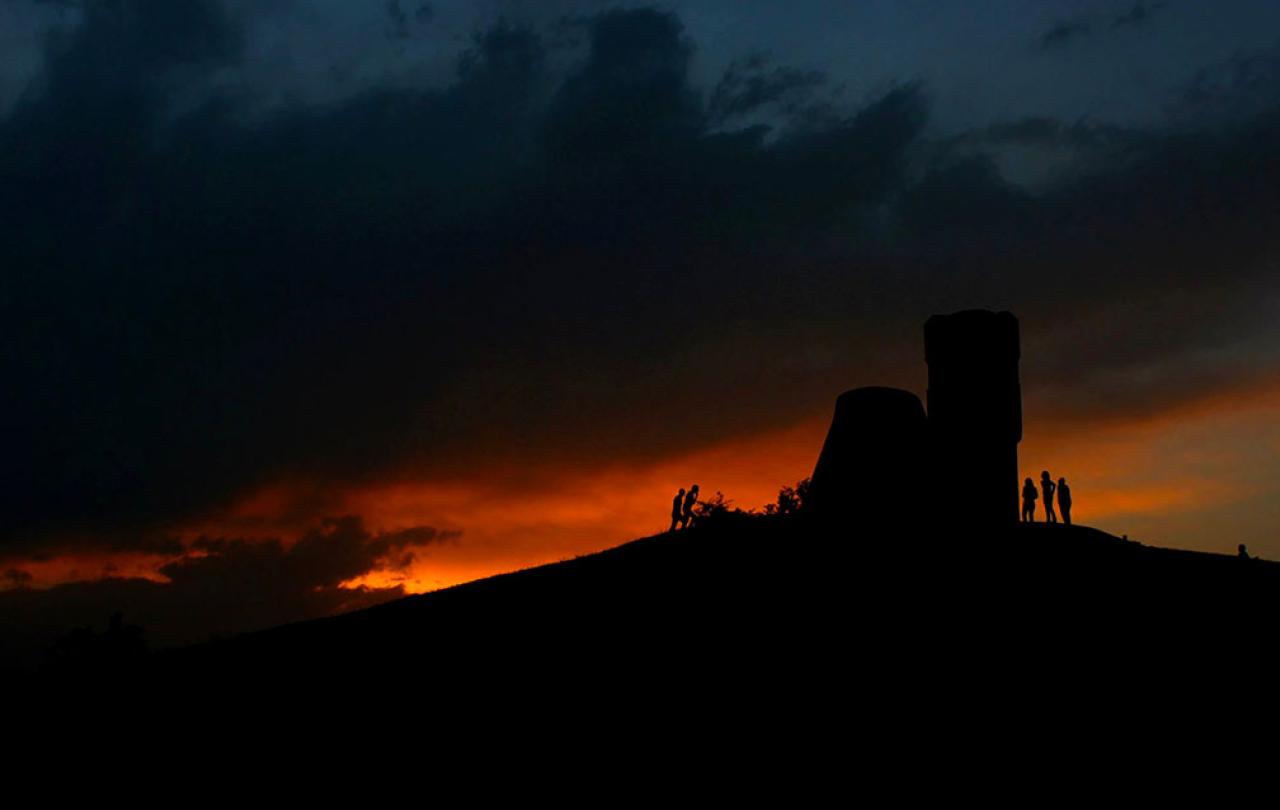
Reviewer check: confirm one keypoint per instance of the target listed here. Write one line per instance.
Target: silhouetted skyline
(365, 299)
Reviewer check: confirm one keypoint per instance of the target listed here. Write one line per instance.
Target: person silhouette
(1064, 501)
(1029, 496)
(1047, 487)
(677, 504)
(1243, 552)
(689, 500)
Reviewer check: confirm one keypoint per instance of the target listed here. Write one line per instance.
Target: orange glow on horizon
(88, 566)
(1177, 478)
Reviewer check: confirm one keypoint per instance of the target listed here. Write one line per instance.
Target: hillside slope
(763, 602)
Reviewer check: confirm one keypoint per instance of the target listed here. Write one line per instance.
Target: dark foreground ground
(767, 619)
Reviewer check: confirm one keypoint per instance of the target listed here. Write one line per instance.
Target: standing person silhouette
(1047, 487)
(689, 501)
(1064, 500)
(1029, 496)
(677, 504)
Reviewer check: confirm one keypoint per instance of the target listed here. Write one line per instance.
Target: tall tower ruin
(975, 413)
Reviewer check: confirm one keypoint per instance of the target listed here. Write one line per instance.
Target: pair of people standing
(682, 507)
(1029, 497)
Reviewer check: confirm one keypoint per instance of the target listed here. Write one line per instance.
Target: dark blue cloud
(754, 84)
(1068, 31)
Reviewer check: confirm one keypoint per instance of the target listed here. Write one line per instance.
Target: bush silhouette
(791, 500)
(83, 652)
(712, 510)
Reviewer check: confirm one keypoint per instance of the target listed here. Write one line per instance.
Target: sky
(309, 305)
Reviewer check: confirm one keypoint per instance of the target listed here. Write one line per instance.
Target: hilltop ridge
(757, 596)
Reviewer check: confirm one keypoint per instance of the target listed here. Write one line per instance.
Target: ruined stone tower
(885, 463)
(873, 458)
(975, 414)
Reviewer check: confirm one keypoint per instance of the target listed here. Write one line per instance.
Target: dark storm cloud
(405, 16)
(1245, 85)
(530, 264)
(227, 586)
(1046, 131)
(200, 306)
(17, 577)
(1139, 13)
(1065, 31)
(143, 543)
(1128, 272)
(180, 286)
(1068, 31)
(632, 94)
(754, 83)
(341, 549)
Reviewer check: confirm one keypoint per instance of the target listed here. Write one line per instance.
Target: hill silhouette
(765, 605)
(874, 597)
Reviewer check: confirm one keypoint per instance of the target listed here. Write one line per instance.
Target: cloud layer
(569, 251)
(221, 587)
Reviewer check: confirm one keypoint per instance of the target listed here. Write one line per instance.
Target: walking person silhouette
(1029, 496)
(689, 500)
(1064, 501)
(1047, 486)
(677, 505)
